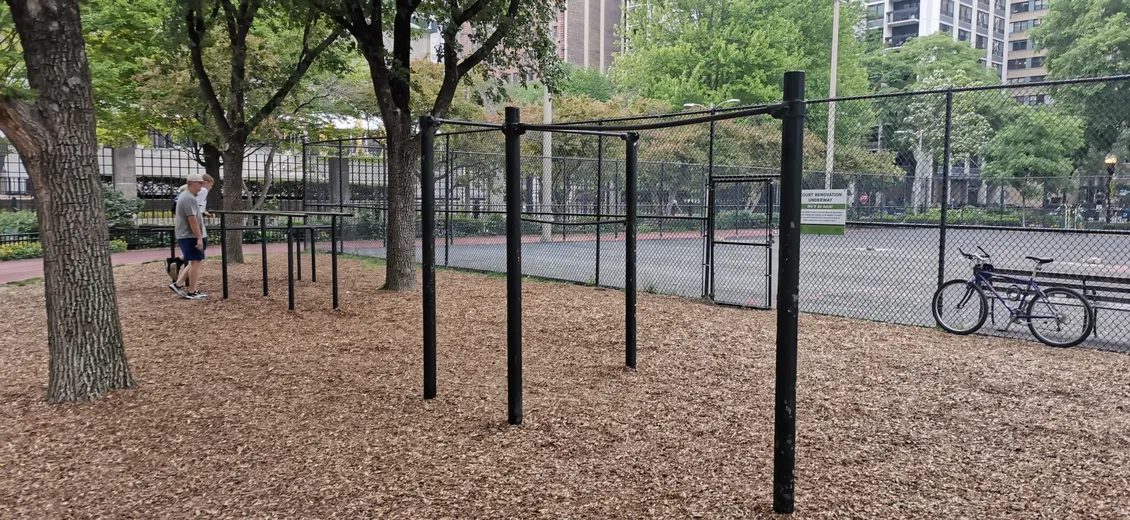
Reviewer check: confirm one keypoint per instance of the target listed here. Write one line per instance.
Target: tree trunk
(400, 270)
(212, 162)
(233, 200)
(56, 139)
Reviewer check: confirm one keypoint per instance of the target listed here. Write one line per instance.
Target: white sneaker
(196, 296)
(178, 289)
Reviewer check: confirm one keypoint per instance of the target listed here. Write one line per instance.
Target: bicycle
(1051, 312)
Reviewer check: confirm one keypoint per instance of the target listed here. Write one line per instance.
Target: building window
(1035, 79)
(1020, 7)
(948, 29)
(999, 68)
(947, 8)
(998, 24)
(1039, 5)
(962, 35)
(982, 19)
(1020, 64)
(1025, 25)
(875, 12)
(966, 14)
(998, 48)
(1019, 45)
(999, 4)
(982, 42)
(1038, 61)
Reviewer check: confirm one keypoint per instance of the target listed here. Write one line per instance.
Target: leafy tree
(1037, 147)
(247, 27)
(916, 124)
(1088, 38)
(695, 51)
(52, 126)
(478, 36)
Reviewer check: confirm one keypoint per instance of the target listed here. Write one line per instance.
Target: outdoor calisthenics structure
(791, 111)
(292, 255)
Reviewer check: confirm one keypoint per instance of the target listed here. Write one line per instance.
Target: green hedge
(25, 250)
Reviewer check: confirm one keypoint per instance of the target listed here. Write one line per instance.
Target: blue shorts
(188, 249)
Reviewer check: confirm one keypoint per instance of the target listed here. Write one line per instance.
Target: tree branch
(194, 23)
(20, 124)
(307, 58)
(491, 42)
(454, 72)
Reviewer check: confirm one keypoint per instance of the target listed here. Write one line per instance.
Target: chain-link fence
(1032, 170)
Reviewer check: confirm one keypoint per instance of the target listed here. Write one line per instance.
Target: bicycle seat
(1040, 260)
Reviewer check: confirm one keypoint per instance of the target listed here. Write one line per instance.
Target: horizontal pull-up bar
(774, 109)
(559, 130)
(591, 223)
(466, 123)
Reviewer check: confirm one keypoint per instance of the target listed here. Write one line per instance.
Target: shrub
(118, 246)
(21, 251)
(18, 222)
(120, 212)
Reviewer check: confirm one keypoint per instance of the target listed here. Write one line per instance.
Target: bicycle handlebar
(983, 257)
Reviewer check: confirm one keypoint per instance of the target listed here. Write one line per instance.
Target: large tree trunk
(233, 200)
(212, 162)
(56, 139)
(400, 270)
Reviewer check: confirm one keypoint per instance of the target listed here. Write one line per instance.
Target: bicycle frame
(985, 280)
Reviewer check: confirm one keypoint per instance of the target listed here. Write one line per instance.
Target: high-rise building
(586, 32)
(1025, 65)
(981, 23)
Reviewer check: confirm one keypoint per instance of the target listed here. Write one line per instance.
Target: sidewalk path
(19, 270)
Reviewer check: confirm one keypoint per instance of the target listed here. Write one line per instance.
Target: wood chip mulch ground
(251, 412)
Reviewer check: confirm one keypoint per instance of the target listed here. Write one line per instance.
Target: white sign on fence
(823, 212)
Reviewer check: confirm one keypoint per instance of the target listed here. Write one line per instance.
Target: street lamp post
(710, 194)
(830, 149)
(1111, 161)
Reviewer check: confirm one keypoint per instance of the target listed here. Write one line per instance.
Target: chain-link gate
(739, 251)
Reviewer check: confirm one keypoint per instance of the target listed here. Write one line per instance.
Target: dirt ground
(246, 410)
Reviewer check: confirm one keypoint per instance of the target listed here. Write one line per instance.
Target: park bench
(1105, 293)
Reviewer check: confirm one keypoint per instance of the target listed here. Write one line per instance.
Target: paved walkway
(19, 270)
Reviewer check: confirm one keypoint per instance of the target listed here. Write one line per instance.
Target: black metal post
(710, 214)
(599, 181)
(1109, 191)
(333, 256)
(299, 238)
(305, 178)
(224, 253)
(946, 163)
(313, 254)
(263, 247)
(428, 212)
(630, 181)
(450, 170)
(290, 262)
(788, 294)
(513, 131)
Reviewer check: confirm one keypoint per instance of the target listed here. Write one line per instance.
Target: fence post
(305, 179)
(513, 132)
(945, 187)
(599, 181)
(428, 211)
(710, 214)
(788, 294)
(450, 171)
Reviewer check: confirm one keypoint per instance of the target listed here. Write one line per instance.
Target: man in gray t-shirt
(191, 237)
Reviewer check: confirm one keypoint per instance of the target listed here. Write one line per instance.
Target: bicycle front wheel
(959, 307)
(1063, 319)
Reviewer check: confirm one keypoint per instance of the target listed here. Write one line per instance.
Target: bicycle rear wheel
(1062, 320)
(959, 307)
